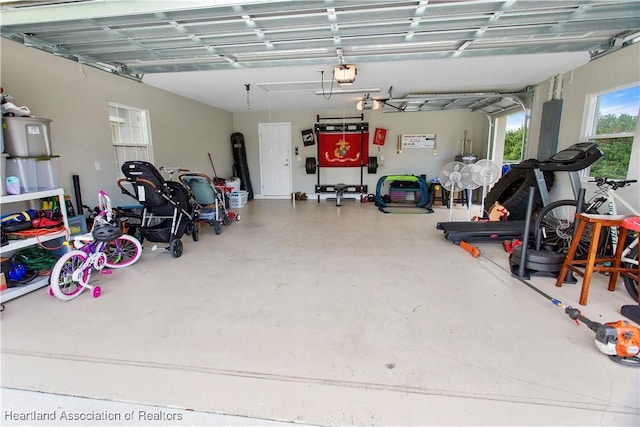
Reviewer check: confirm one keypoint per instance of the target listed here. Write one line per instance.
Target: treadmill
(572, 160)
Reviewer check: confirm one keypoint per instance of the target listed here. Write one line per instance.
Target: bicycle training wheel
(62, 283)
(123, 251)
(629, 283)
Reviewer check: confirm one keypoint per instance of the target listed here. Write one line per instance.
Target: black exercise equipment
(311, 167)
(572, 160)
(372, 165)
(240, 165)
(512, 190)
(314, 167)
(78, 193)
(340, 190)
(525, 261)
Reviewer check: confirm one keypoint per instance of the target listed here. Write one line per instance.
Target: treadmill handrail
(575, 158)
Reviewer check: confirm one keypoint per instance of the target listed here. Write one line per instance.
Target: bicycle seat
(632, 223)
(106, 233)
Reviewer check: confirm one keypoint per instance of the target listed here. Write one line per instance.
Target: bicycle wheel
(123, 251)
(630, 284)
(62, 283)
(554, 228)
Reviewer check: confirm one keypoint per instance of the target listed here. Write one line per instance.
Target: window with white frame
(514, 137)
(130, 133)
(509, 138)
(612, 122)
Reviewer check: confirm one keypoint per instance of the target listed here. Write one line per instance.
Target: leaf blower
(619, 340)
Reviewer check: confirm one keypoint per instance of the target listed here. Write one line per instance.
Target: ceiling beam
(95, 9)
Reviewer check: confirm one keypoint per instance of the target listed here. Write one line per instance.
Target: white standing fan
(485, 173)
(451, 179)
(469, 185)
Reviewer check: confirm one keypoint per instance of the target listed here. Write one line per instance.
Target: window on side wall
(612, 122)
(130, 134)
(514, 138)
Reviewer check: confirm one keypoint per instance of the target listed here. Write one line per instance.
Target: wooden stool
(436, 193)
(586, 267)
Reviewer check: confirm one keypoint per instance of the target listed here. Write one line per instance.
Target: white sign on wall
(418, 140)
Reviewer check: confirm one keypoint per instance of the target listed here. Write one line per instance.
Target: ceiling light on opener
(344, 74)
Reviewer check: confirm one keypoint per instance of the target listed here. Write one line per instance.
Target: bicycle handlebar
(613, 184)
(171, 171)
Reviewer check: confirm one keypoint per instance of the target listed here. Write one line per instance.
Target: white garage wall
(75, 98)
(621, 68)
(449, 126)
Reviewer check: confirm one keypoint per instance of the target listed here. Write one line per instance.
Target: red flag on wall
(379, 136)
(343, 149)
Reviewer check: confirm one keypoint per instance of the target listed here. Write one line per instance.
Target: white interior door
(275, 159)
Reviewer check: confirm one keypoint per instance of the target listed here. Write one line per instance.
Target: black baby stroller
(169, 210)
(210, 198)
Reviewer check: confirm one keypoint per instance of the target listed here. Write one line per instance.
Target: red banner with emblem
(342, 149)
(379, 136)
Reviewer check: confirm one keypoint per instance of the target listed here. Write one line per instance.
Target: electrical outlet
(97, 165)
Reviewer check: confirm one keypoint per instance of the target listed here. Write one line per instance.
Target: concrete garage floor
(314, 314)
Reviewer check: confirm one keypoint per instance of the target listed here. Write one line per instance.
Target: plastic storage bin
(47, 173)
(77, 225)
(233, 183)
(25, 170)
(238, 199)
(3, 173)
(26, 136)
(1, 136)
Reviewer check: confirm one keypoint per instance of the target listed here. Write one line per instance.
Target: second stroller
(211, 200)
(169, 210)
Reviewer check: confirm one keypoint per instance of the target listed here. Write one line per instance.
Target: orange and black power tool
(619, 340)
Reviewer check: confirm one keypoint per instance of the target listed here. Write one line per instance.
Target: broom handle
(215, 175)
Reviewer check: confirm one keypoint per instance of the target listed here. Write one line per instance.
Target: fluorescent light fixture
(345, 74)
(284, 53)
(349, 91)
(301, 86)
(402, 46)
